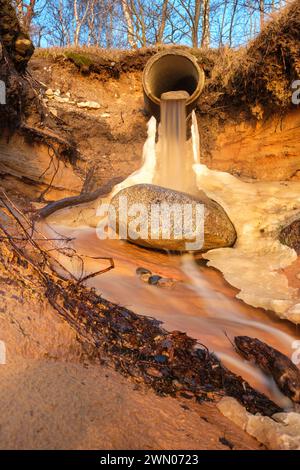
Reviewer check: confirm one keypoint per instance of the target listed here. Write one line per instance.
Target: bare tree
(232, 19)
(196, 20)
(187, 20)
(141, 23)
(162, 26)
(80, 11)
(59, 23)
(36, 34)
(222, 25)
(26, 10)
(262, 13)
(129, 22)
(205, 41)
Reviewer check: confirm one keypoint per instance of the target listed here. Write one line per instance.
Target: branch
(75, 200)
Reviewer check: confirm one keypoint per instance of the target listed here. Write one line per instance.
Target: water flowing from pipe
(174, 167)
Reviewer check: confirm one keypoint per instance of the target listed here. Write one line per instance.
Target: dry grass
(263, 73)
(91, 59)
(97, 60)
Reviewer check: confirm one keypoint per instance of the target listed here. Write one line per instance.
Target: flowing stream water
(201, 302)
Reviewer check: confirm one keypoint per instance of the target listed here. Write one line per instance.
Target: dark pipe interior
(172, 73)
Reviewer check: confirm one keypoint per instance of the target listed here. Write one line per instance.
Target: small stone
(141, 270)
(153, 280)
(184, 407)
(186, 394)
(145, 277)
(154, 372)
(177, 384)
(88, 105)
(166, 282)
(60, 99)
(274, 433)
(226, 442)
(161, 358)
(57, 92)
(49, 92)
(105, 115)
(234, 411)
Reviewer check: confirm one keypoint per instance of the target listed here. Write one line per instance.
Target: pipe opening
(172, 73)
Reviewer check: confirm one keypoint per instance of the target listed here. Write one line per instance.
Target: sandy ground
(52, 397)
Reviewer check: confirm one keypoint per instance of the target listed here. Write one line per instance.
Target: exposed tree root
(285, 373)
(80, 199)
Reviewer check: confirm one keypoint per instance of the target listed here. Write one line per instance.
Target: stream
(259, 270)
(200, 303)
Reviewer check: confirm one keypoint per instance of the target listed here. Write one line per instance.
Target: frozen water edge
(258, 211)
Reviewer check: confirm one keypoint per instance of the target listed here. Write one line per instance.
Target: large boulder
(136, 221)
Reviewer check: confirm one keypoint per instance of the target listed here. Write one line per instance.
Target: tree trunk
(25, 13)
(195, 32)
(162, 22)
(79, 19)
(232, 22)
(129, 24)
(205, 24)
(262, 13)
(222, 24)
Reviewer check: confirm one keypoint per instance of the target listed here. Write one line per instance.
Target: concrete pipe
(172, 70)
